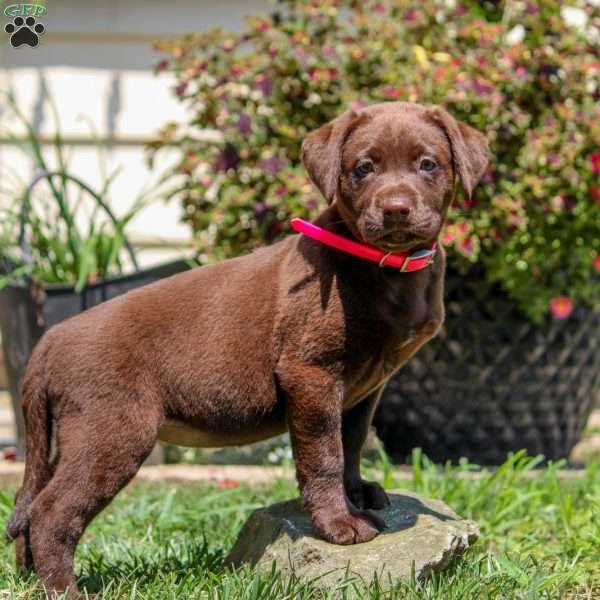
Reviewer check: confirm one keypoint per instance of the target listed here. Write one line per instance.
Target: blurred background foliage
(57, 228)
(525, 73)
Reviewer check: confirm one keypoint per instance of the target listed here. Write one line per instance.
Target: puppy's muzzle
(396, 209)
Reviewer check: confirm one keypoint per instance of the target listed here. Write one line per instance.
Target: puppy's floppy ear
(322, 153)
(470, 151)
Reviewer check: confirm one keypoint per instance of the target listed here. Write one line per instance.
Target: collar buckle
(384, 258)
(427, 253)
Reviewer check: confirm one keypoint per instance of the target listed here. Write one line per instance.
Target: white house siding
(95, 60)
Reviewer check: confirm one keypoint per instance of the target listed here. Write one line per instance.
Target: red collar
(405, 261)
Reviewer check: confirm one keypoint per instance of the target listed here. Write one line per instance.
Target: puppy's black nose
(397, 207)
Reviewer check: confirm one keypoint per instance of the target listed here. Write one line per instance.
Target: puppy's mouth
(408, 236)
(398, 241)
(394, 244)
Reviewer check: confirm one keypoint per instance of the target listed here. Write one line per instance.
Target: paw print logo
(24, 31)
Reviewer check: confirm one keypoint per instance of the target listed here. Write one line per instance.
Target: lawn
(540, 539)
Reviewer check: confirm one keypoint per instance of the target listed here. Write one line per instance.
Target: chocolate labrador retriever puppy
(297, 336)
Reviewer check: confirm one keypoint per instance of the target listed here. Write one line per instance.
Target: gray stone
(420, 532)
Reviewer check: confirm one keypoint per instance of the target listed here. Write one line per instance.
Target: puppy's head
(390, 169)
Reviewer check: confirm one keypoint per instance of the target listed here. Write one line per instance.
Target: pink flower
(531, 8)
(466, 246)
(328, 51)
(596, 264)
(244, 124)
(561, 307)
(448, 237)
(260, 210)
(595, 158)
(271, 165)
(227, 159)
(302, 55)
(489, 176)
(199, 68)
(480, 87)
(391, 91)
(227, 483)
(264, 84)
(558, 203)
(311, 203)
(521, 72)
(439, 72)
(181, 88)
(161, 66)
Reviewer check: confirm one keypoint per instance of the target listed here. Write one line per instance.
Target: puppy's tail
(38, 425)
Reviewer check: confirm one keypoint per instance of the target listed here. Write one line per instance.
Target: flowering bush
(525, 74)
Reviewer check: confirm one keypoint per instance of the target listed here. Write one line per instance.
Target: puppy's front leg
(314, 410)
(355, 429)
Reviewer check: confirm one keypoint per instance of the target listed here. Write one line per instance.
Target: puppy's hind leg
(23, 556)
(99, 455)
(38, 467)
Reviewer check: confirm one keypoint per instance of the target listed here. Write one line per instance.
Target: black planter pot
(493, 382)
(26, 312)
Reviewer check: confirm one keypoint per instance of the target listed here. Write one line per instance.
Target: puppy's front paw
(346, 528)
(366, 494)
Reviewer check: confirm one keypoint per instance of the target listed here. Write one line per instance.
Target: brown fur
(294, 336)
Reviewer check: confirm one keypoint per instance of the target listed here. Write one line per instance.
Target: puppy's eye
(363, 169)
(428, 165)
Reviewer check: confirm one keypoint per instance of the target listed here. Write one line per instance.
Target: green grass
(540, 539)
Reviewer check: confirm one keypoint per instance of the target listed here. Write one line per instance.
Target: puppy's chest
(379, 343)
